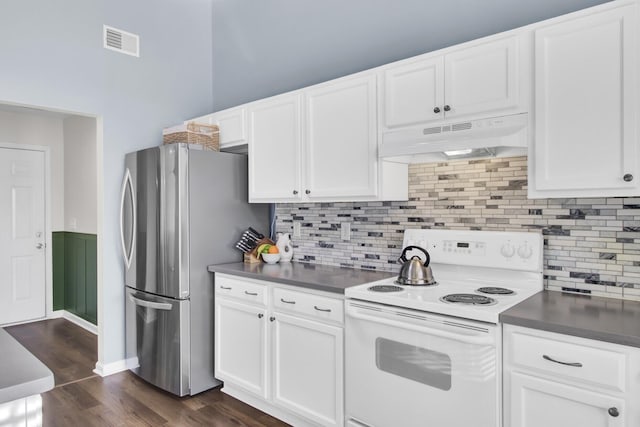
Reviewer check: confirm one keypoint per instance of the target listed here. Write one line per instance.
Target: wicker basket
(193, 133)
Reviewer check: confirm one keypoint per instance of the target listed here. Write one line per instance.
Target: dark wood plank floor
(81, 398)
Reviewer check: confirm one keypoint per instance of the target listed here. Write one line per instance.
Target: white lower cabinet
(281, 350)
(241, 345)
(555, 380)
(307, 368)
(536, 402)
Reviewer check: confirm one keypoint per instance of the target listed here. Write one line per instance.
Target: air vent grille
(121, 41)
(461, 126)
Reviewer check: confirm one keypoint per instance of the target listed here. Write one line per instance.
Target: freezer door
(158, 336)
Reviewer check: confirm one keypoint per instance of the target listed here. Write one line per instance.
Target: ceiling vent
(121, 41)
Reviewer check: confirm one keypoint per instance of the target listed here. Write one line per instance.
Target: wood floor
(82, 398)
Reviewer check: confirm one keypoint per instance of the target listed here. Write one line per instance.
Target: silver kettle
(413, 271)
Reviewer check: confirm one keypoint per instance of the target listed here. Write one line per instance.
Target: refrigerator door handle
(127, 184)
(150, 304)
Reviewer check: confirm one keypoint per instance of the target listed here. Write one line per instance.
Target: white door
(308, 378)
(241, 345)
(482, 79)
(341, 140)
(536, 402)
(586, 107)
(414, 93)
(22, 235)
(274, 150)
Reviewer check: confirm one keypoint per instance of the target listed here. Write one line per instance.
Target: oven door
(409, 368)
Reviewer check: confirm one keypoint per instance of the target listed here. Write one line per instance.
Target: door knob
(39, 246)
(628, 177)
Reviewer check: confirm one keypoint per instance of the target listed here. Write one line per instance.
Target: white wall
(53, 57)
(33, 128)
(80, 175)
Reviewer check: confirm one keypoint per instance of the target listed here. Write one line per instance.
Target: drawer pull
(574, 364)
(326, 310)
(253, 294)
(287, 302)
(225, 288)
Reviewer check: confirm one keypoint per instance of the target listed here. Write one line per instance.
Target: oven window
(415, 363)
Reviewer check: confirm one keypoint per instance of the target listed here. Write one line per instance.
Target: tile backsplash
(592, 245)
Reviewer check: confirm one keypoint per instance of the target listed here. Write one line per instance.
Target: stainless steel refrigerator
(182, 209)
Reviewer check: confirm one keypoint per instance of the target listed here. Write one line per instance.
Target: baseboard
(88, 326)
(106, 369)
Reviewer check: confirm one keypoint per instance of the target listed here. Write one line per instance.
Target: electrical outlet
(296, 229)
(345, 231)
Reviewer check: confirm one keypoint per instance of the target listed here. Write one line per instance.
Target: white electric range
(416, 355)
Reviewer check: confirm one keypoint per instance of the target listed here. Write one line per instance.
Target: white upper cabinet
(232, 124)
(414, 93)
(341, 141)
(275, 138)
(586, 106)
(480, 80)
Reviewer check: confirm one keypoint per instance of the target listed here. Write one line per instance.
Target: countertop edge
(284, 281)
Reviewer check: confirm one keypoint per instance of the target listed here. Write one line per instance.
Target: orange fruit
(273, 250)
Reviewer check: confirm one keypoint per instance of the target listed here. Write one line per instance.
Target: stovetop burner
(385, 288)
(493, 290)
(473, 299)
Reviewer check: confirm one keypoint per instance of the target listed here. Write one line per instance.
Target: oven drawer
(316, 306)
(576, 359)
(241, 289)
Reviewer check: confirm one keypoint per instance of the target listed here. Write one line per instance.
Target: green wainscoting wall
(75, 286)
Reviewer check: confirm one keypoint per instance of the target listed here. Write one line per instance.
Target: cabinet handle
(447, 108)
(260, 315)
(436, 110)
(287, 302)
(272, 318)
(574, 364)
(627, 177)
(326, 310)
(307, 191)
(295, 192)
(614, 412)
(225, 288)
(253, 294)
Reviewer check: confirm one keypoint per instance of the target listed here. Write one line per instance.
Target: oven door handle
(468, 339)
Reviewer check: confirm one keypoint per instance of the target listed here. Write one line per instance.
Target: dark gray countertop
(604, 319)
(311, 276)
(21, 373)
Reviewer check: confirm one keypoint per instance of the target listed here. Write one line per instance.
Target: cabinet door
(586, 112)
(233, 126)
(308, 369)
(341, 144)
(536, 402)
(241, 345)
(274, 149)
(483, 79)
(413, 93)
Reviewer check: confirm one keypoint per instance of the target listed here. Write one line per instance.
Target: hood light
(470, 152)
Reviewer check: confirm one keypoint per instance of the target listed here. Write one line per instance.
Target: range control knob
(525, 251)
(507, 250)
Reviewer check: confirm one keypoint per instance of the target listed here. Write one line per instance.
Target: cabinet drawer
(577, 362)
(308, 304)
(240, 289)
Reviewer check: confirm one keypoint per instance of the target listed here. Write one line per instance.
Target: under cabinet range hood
(493, 137)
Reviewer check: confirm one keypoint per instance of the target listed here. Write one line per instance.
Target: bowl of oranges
(269, 253)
